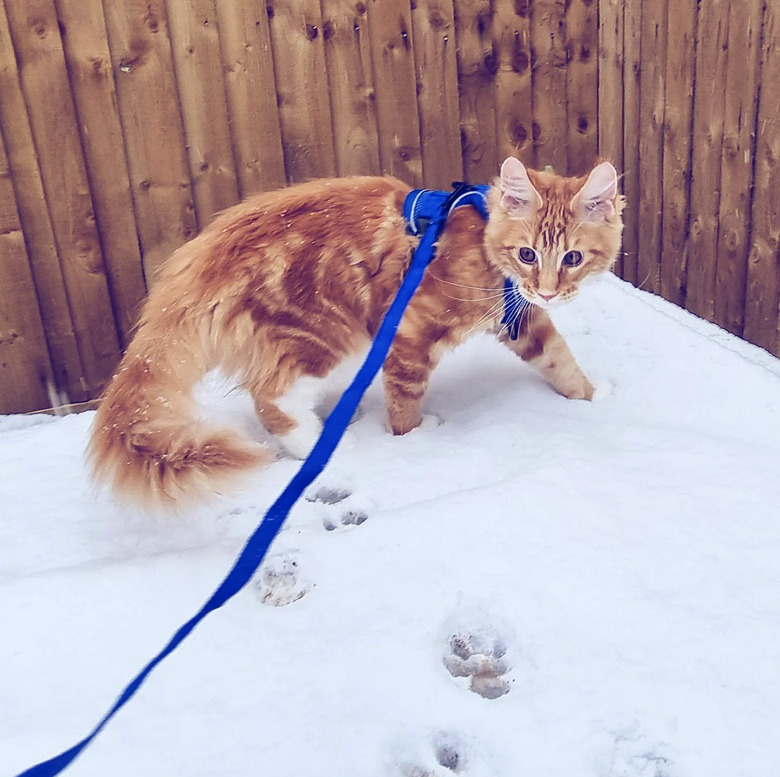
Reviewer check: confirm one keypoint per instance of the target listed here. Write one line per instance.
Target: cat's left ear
(595, 202)
(519, 198)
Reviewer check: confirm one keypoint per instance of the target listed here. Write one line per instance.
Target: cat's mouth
(547, 301)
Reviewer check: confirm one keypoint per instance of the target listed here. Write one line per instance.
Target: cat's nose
(548, 297)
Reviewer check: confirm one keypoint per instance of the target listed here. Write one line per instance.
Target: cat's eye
(572, 258)
(527, 255)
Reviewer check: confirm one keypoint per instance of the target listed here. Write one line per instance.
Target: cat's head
(548, 233)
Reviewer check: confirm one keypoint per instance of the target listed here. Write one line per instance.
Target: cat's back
(309, 206)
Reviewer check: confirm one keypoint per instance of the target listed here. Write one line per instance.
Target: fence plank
(390, 30)
(151, 122)
(197, 58)
(433, 25)
(92, 80)
(632, 53)
(610, 89)
(739, 118)
(762, 325)
(710, 78)
(36, 224)
(582, 39)
(352, 94)
(302, 88)
(476, 77)
(548, 41)
(677, 148)
(513, 86)
(652, 80)
(251, 95)
(25, 368)
(35, 31)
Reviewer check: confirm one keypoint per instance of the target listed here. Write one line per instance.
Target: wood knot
(437, 20)
(518, 132)
(360, 9)
(490, 63)
(328, 30)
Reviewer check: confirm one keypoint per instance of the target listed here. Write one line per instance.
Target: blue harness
(420, 208)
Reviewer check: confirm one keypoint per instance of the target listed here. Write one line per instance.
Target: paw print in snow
(443, 756)
(279, 581)
(632, 754)
(339, 512)
(480, 659)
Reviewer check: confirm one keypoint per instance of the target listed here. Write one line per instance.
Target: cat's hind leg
(540, 344)
(292, 417)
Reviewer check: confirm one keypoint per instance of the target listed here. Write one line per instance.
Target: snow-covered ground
(604, 576)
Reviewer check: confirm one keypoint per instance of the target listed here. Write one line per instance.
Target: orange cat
(279, 289)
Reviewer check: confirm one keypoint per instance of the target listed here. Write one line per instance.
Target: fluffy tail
(147, 441)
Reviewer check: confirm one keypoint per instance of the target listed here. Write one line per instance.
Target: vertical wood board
(36, 224)
(251, 95)
(352, 93)
(513, 84)
(390, 29)
(151, 122)
(302, 88)
(433, 25)
(477, 65)
(197, 59)
(92, 81)
(36, 34)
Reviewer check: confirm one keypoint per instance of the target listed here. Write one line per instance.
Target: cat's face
(549, 233)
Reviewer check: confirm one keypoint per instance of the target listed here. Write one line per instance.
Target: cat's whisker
(462, 285)
(473, 299)
(492, 312)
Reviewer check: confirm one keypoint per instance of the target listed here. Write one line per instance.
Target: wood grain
(709, 98)
(197, 58)
(582, 41)
(94, 92)
(436, 73)
(762, 324)
(548, 40)
(513, 84)
(25, 369)
(43, 75)
(390, 30)
(36, 224)
(739, 123)
(251, 95)
(677, 148)
(151, 123)
(302, 88)
(352, 93)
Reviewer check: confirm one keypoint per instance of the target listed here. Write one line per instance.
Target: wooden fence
(125, 124)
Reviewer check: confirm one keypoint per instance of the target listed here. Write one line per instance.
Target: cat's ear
(595, 202)
(518, 196)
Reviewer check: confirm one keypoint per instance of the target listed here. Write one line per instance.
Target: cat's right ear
(518, 197)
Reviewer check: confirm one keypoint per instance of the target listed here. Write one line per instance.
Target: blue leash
(257, 545)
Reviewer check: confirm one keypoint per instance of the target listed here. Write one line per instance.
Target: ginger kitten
(281, 288)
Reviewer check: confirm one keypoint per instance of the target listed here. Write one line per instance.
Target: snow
(607, 571)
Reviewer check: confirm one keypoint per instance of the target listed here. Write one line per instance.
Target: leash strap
(257, 545)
